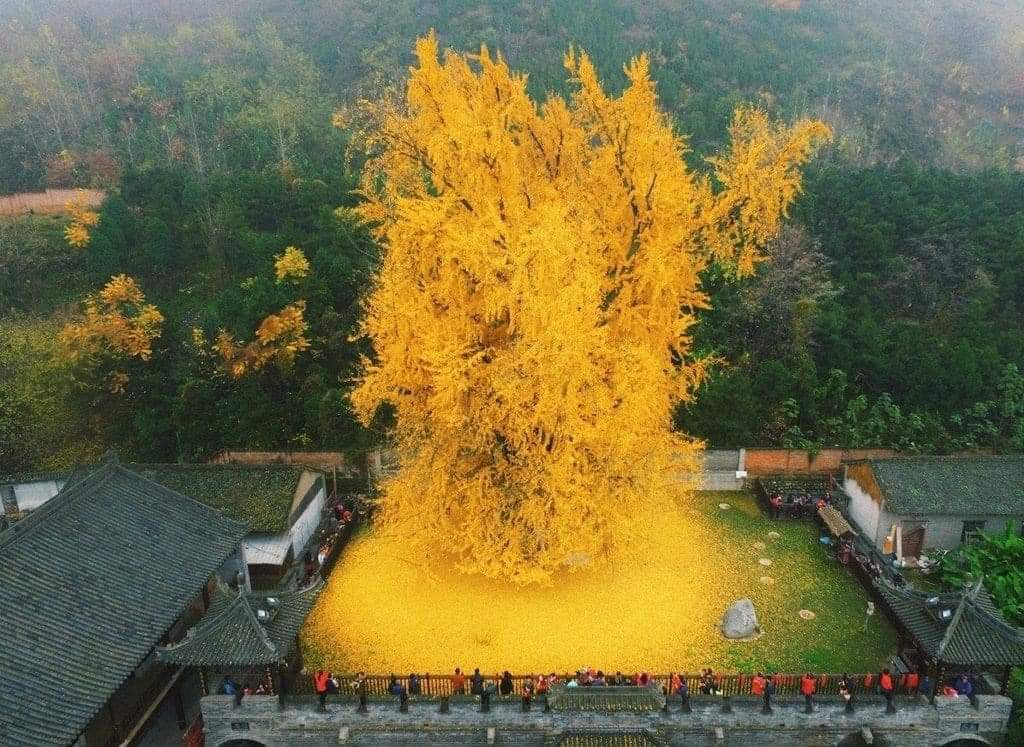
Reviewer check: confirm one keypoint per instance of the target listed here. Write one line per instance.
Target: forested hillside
(890, 313)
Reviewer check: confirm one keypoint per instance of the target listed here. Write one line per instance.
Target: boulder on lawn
(740, 620)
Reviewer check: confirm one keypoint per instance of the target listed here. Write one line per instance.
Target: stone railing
(704, 720)
(434, 686)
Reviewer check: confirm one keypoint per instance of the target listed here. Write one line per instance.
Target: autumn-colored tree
(279, 338)
(531, 317)
(291, 266)
(117, 324)
(82, 219)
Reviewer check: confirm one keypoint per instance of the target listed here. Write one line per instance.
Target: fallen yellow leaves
(653, 606)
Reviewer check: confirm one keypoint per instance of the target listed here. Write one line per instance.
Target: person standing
(885, 684)
(769, 691)
(458, 682)
(542, 685)
(808, 685)
(963, 686)
(506, 686)
(757, 685)
(320, 680)
(414, 684)
(363, 690)
(476, 683)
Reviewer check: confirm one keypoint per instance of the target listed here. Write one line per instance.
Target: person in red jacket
(320, 680)
(757, 685)
(807, 686)
(885, 684)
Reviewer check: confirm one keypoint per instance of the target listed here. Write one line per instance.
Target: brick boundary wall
(801, 461)
(318, 459)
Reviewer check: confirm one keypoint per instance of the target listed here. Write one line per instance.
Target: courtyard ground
(651, 608)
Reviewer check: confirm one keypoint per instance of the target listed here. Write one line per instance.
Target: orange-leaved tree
(116, 324)
(531, 318)
(76, 233)
(279, 338)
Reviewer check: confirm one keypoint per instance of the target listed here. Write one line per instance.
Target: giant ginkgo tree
(531, 318)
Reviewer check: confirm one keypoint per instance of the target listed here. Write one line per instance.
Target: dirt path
(50, 201)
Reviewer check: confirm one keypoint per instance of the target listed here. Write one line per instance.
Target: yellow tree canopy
(115, 323)
(279, 338)
(291, 266)
(531, 316)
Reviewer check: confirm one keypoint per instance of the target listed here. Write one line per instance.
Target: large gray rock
(740, 620)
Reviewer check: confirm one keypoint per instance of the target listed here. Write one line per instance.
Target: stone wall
(916, 723)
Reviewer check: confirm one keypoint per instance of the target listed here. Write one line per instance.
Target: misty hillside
(892, 312)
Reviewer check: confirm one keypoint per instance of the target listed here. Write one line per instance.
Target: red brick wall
(319, 459)
(799, 461)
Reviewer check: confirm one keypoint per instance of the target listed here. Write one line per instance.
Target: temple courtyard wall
(261, 720)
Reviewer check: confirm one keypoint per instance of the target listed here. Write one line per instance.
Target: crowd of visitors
(796, 506)
(762, 685)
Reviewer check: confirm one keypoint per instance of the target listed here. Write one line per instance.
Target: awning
(837, 524)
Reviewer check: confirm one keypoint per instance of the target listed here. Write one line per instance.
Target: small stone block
(866, 735)
(342, 735)
(492, 734)
(719, 734)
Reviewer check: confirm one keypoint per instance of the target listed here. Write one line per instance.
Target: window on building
(970, 531)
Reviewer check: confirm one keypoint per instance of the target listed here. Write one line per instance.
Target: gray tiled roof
(977, 634)
(230, 633)
(960, 485)
(89, 584)
(18, 478)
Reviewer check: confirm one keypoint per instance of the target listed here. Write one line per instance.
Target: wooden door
(913, 541)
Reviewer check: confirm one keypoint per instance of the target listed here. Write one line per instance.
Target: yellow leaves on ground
(115, 322)
(531, 316)
(292, 265)
(653, 606)
(279, 338)
(82, 219)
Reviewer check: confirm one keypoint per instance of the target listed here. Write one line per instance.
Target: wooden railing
(439, 686)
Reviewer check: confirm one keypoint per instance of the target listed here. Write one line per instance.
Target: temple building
(91, 583)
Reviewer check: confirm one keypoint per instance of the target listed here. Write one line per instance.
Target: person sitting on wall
(776, 503)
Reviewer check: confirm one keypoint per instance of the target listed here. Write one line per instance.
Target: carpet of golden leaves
(655, 607)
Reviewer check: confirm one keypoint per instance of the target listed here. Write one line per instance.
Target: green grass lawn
(806, 577)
